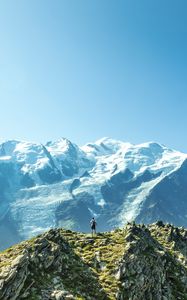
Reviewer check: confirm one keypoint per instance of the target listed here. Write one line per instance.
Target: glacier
(62, 184)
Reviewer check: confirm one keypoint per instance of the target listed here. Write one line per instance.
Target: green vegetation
(130, 261)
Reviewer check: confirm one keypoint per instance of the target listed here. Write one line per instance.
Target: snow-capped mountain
(61, 184)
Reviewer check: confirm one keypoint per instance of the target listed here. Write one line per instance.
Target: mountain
(62, 184)
(136, 262)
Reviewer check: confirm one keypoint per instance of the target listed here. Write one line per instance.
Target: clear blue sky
(86, 69)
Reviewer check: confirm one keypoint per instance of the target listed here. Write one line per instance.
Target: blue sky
(87, 69)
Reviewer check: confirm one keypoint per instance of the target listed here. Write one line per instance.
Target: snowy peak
(111, 154)
(21, 150)
(30, 156)
(63, 149)
(105, 146)
(60, 146)
(7, 147)
(62, 184)
(152, 156)
(103, 156)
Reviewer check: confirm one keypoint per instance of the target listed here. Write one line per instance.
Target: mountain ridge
(135, 262)
(60, 184)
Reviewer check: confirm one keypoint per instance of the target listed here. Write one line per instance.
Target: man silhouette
(93, 226)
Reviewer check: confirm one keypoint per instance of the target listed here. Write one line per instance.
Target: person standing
(93, 226)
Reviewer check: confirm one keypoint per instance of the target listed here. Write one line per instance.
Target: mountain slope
(135, 262)
(61, 184)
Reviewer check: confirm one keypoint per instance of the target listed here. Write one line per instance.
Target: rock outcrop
(136, 262)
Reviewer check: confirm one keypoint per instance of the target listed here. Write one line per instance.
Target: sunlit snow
(35, 207)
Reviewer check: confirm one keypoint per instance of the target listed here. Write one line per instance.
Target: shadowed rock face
(75, 214)
(136, 262)
(49, 175)
(168, 200)
(116, 189)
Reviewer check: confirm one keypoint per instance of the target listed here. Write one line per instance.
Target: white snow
(35, 207)
(131, 207)
(101, 203)
(5, 158)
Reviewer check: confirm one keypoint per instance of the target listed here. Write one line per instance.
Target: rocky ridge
(136, 262)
